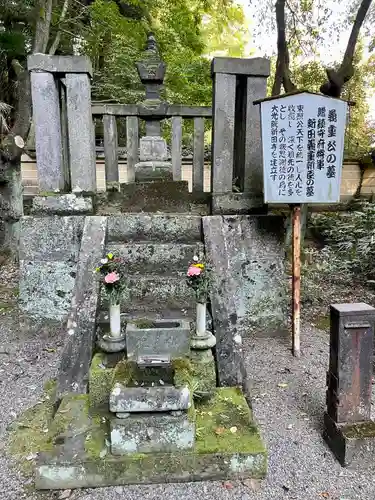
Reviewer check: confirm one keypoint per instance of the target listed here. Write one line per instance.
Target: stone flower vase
(115, 320)
(201, 319)
(114, 340)
(202, 339)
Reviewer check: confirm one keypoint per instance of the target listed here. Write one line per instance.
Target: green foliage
(350, 236)
(184, 32)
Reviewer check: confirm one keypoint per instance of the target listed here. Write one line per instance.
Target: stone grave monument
(348, 428)
(171, 401)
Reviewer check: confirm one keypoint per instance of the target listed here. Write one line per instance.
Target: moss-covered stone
(78, 430)
(124, 373)
(225, 424)
(198, 373)
(204, 370)
(100, 380)
(29, 434)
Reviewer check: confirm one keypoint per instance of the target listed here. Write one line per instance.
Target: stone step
(156, 258)
(164, 228)
(150, 432)
(155, 293)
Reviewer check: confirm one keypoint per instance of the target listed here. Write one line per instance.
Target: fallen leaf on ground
(282, 386)
(65, 494)
(290, 426)
(252, 484)
(219, 430)
(228, 486)
(233, 429)
(324, 494)
(32, 456)
(49, 349)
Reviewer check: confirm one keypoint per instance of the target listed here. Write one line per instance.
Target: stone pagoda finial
(151, 45)
(151, 70)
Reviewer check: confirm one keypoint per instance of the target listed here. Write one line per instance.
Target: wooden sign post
(303, 146)
(296, 277)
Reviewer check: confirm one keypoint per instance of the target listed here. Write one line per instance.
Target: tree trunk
(282, 75)
(11, 205)
(43, 25)
(11, 149)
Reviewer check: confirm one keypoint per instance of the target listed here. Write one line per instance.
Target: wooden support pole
(296, 245)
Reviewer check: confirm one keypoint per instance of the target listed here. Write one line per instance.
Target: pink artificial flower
(112, 278)
(194, 271)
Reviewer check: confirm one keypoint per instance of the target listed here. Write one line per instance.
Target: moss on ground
(225, 424)
(30, 433)
(323, 323)
(144, 323)
(360, 430)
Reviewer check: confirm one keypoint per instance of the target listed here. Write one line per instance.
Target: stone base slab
(352, 444)
(150, 433)
(64, 204)
(81, 458)
(151, 469)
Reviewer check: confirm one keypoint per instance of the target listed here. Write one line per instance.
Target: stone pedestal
(153, 165)
(348, 426)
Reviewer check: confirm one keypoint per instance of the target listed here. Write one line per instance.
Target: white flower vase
(115, 340)
(203, 339)
(201, 319)
(115, 320)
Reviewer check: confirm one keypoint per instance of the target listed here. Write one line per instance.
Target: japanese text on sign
(303, 140)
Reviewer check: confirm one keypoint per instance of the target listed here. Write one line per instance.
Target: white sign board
(303, 146)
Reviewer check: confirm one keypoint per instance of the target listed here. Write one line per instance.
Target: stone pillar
(56, 82)
(347, 423)
(81, 139)
(46, 115)
(236, 145)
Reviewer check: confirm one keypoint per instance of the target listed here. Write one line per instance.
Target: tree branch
(282, 75)
(337, 78)
(56, 41)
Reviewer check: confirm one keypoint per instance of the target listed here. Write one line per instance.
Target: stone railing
(110, 113)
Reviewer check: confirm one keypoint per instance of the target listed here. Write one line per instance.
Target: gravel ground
(290, 418)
